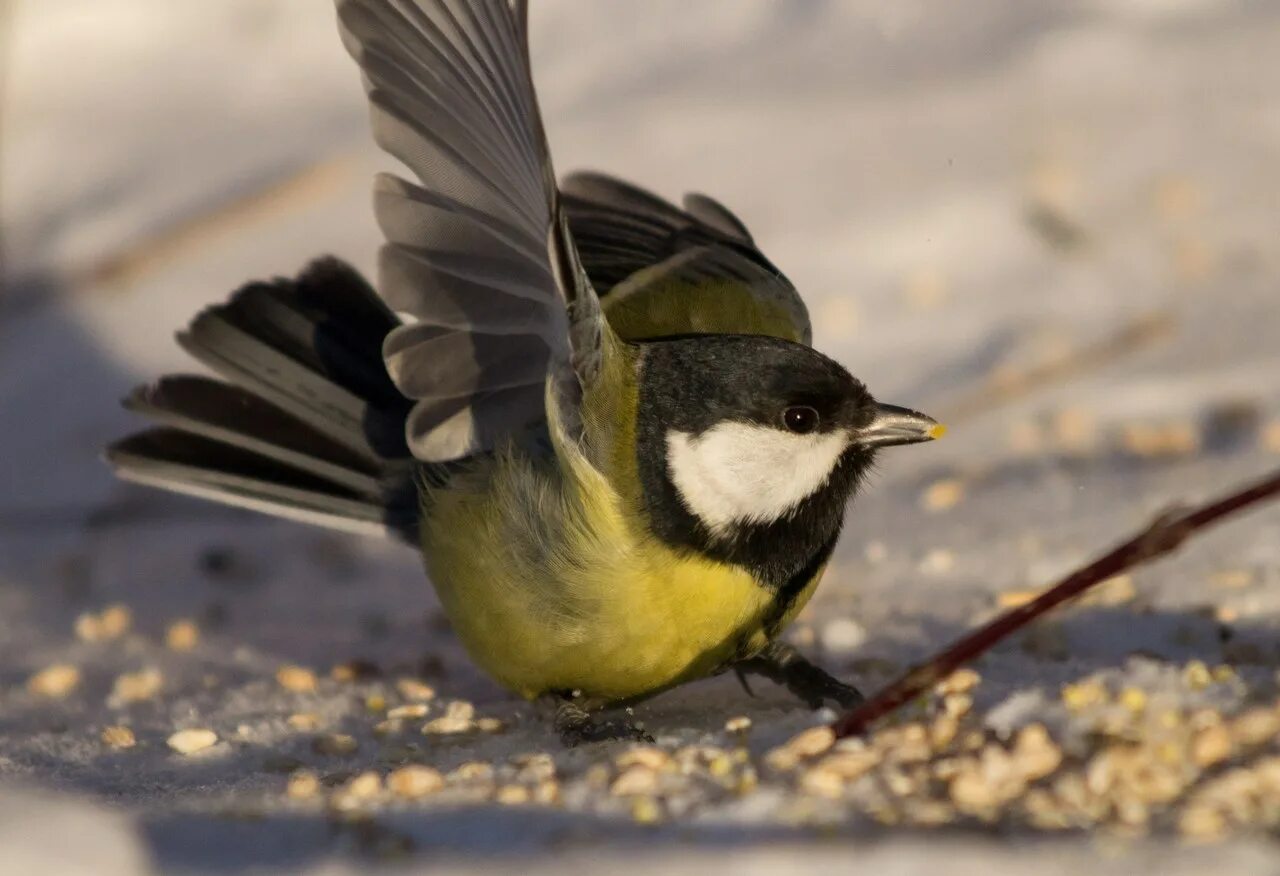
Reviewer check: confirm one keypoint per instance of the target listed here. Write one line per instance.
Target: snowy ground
(965, 193)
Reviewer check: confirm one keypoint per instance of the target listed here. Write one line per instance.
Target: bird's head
(748, 440)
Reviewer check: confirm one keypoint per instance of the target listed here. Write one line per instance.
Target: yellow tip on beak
(936, 431)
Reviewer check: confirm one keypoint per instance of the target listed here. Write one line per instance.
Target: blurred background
(1052, 225)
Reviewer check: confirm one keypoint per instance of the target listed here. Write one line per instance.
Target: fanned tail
(307, 424)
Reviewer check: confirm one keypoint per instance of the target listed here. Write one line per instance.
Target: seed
(413, 710)
(1035, 753)
(54, 681)
(1076, 429)
(134, 687)
(938, 561)
(472, 771)
(365, 786)
(842, 636)
(1134, 699)
(959, 682)
(192, 741)
(512, 795)
(812, 742)
(646, 810)
(849, 765)
(943, 730)
(303, 785)
(1211, 745)
(1117, 590)
(417, 691)
(1256, 726)
(547, 793)
(1196, 675)
(1232, 579)
(822, 782)
(296, 678)
(335, 745)
(634, 781)
(110, 624)
(645, 756)
(490, 725)
(740, 724)
(942, 495)
(304, 721)
(414, 781)
(1016, 598)
(118, 737)
(1084, 694)
(182, 635)
(1202, 823)
(446, 726)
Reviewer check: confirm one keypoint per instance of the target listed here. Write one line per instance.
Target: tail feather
(231, 415)
(196, 466)
(309, 427)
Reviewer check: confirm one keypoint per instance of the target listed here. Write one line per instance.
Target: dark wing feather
(637, 246)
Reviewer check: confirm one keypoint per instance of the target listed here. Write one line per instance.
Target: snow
(957, 189)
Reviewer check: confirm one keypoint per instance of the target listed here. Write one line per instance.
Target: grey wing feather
(475, 262)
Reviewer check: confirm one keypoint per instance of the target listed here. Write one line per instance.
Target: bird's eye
(801, 419)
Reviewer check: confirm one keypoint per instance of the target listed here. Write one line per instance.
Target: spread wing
(662, 270)
(478, 261)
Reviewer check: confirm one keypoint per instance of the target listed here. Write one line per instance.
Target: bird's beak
(894, 425)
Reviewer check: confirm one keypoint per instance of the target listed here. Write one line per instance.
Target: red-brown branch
(1163, 536)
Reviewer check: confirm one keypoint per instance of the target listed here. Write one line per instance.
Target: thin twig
(1163, 536)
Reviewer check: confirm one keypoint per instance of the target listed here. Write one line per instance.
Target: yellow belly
(551, 586)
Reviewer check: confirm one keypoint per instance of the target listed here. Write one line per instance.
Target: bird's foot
(576, 726)
(784, 665)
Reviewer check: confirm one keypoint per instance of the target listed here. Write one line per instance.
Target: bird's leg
(576, 725)
(784, 665)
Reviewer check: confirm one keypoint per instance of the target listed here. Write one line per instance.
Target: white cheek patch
(748, 473)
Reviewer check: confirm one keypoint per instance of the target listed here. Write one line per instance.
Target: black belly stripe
(787, 594)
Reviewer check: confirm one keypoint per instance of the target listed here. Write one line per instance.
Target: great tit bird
(598, 414)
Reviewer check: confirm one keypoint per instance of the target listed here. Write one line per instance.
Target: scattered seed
(106, 626)
(413, 710)
(634, 781)
(414, 690)
(490, 725)
(1084, 694)
(959, 682)
(512, 795)
(1232, 579)
(937, 561)
(647, 756)
(1196, 675)
(182, 635)
(303, 722)
(739, 724)
(118, 737)
(303, 785)
(298, 679)
(942, 495)
(842, 635)
(1016, 598)
(54, 681)
(646, 810)
(414, 781)
(1211, 745)
(192, 741)
(136, 687)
